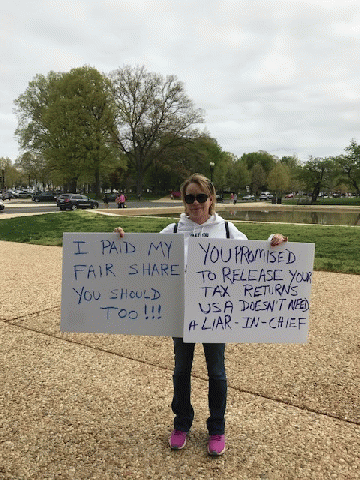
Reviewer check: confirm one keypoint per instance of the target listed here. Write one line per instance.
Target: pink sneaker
(216, 445)
(177, 439)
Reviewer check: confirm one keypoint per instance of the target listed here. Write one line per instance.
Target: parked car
(8, 195)
(24, 194)
(60, 198)
(2, 206)
(289, 195)
(265, 196)
(111, 196)
(72, 201)
(174, 195)
(12, 193)
(249, 198)
(43, 197)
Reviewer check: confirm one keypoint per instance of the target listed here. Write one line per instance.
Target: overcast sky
(269, 75)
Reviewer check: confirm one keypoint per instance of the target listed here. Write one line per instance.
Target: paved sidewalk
(85, 406)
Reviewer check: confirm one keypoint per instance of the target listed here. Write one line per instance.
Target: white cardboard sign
(247, 291)
(133, 285)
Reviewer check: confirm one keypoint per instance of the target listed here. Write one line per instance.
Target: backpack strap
(227, 229)
(175, 228)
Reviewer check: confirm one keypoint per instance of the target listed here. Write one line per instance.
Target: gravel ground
(85, 406)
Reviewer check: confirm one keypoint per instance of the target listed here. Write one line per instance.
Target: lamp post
(212, 165)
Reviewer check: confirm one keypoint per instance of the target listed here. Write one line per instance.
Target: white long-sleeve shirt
(214, 227)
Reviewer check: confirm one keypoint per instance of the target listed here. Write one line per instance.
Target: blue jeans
(181, 404)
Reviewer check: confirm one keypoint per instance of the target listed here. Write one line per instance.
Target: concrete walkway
(85, 406)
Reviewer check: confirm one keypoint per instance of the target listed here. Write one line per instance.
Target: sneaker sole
(177, 448)
(216, 454)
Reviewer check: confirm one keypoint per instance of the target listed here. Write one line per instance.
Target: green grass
(48, 229)
(337, 247)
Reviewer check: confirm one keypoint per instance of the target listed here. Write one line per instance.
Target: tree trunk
(315, 193)
(73, 184)
(97, 180)
(97, 170)
(139, 177)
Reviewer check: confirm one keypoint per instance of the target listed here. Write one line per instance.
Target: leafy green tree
(29, 107)
(349, 165)
(34, 168)
(258, 178)
(279, 179)
(173, 165)
(9, 176)
(265, 159)
(293, 164)
(79, 119)
(153, 115)
(239, 175)
(222, 171)
(317, 174)
(67, 119)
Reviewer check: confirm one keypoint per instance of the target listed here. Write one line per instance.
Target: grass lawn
(337, 247)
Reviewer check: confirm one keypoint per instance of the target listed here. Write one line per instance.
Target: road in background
(28, 206)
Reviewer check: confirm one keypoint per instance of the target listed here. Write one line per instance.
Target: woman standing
(200, 220)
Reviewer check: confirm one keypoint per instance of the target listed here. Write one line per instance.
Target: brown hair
(206, 186)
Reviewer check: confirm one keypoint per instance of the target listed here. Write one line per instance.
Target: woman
(200, 220)
(120, 200)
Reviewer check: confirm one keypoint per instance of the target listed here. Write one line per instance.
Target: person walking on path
(106, 201)
(200, 220)
(120, 200)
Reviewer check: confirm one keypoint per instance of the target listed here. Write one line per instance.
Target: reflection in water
(293, 216)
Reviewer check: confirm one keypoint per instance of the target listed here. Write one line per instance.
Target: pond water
(314, 217)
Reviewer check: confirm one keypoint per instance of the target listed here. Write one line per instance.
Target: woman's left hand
(278, 239)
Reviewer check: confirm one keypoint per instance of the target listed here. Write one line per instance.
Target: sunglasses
(201, 198)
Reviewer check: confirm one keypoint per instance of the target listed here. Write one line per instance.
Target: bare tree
(152, 114)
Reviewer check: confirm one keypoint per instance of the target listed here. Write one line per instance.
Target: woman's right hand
(120, 231)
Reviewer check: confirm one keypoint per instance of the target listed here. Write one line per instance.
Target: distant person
(199, 198)
(106, 200)
(235, 199)
(120, 200)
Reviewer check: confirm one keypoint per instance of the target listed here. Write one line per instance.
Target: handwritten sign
(133, 285)
(247, 291)
(234, 291)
